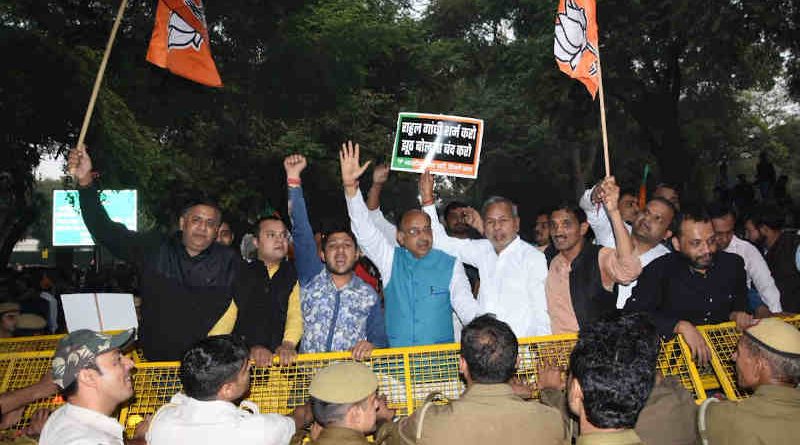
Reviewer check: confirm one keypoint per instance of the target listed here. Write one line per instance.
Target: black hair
(453, 205)
(201, 202)
(326, 413)
(675, 212)
(629, 191)
(769, 215)
(489, 347)
(696, 213)
(668, 185)
(72, 389)
(615, 363)
(257, 225)
(575, 210)
(336, 228)
(210, 363)
(719, 210)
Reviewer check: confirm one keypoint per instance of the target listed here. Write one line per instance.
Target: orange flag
(575, 45)
(180, 42)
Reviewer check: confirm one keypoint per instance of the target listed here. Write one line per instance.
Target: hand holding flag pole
(577, 53)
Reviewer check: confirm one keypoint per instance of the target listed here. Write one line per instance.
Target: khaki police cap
(9, 307)
(31, 321)
(346, 382)
(776, 336)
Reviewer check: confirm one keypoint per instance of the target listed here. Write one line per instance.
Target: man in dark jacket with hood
(187, 280)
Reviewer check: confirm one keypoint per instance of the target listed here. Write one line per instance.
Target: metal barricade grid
(24, 369)
(405, 375)
(675, 360)
(29, 344)
(722, 340)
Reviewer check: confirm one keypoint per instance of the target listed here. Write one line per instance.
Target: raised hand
(426, 187)
(610, 194)
(380, 174)
(351, 169)
(294, 165)
(473, 218)
(79, 165)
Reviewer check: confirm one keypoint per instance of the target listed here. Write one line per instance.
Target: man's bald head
(415, 232)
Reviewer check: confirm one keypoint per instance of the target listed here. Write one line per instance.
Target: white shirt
(376, 244)
(512, 282)
(191, 421)
(74, 425)
(604, 236)
(757, 272)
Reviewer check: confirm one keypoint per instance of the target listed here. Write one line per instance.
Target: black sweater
(182, 296)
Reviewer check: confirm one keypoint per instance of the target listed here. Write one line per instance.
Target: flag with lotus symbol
(575, 45)
(180, 42)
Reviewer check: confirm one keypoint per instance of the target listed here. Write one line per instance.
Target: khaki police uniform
(485, 414)
(670, 415)
(624, 437)
(342, 383)
(772, 414)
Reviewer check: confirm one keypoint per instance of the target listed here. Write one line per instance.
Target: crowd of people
(619, 275)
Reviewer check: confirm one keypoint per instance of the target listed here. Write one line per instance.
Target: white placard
(99, 312)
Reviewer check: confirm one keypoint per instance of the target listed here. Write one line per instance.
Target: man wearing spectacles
(187, 280)
(270, 320)
(423, 286)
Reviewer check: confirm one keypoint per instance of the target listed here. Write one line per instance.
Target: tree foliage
(305, 76)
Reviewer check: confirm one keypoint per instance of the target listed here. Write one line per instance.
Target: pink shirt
(559, 299)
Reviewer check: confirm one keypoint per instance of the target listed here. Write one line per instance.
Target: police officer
(488, 412)
(767, 361)
(345, 403)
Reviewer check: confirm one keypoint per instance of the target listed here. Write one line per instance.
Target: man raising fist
(187, 280)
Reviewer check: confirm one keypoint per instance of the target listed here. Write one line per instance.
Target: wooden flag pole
(99, 79)
(603, 118)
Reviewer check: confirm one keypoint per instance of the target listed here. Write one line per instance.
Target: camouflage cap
(79, 349)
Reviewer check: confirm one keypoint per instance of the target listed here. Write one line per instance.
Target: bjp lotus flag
(575, 45)
(180, 42)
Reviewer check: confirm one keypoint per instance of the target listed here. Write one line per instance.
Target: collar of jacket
(778, 392)
(336, 434)
(177, 243)
(488, 389)
(624, 437)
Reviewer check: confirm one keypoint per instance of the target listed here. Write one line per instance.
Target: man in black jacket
(187, 280)
(695, 285)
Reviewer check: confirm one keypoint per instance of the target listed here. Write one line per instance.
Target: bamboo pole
(603, 118)
(99, 79)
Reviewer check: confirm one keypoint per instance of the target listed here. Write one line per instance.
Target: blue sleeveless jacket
(417, 299)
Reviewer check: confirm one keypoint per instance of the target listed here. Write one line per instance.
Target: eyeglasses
(414, 231)
(277, 235)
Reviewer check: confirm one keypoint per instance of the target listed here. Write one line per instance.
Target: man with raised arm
(582, 281)
(187, 280)
(340, 310)
(422, 285)
(512, 272)
(650, 228)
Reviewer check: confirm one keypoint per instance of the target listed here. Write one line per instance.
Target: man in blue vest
(422, 286)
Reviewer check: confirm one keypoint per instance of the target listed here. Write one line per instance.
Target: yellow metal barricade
(23, 369)
(29, 344)
(406, 375)
(722, 340)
